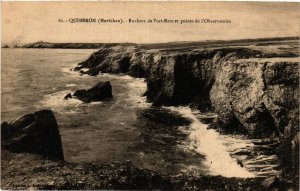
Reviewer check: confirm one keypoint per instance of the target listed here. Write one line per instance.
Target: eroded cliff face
(173, 77)
(260, 95)
(250, 91)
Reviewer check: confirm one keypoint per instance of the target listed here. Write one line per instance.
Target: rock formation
(68, 96)
(254, 90)
(259, 94)
(247, 89)
(99, 92)
(33, 133)
(28, 140)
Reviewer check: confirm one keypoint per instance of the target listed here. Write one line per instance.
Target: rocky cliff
(250, 90)
(253, 89)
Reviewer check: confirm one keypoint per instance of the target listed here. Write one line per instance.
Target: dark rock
(256, 94)
(5, 130)
(79, 93)
(101, 91)
(78, 68)
(68, 96)
(22, 121)
(137, 71)
(93, 72)
(34, 133)
(245, 91)
(124, 64)
(250, 92)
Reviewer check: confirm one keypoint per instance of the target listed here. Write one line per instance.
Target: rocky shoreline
(33, 169)
(30, 171)
(38, 164)
(252, 89)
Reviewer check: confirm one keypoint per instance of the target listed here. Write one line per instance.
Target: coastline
(167, 70)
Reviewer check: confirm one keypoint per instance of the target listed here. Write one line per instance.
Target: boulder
(99, 92)
(79, 93)
(68, 96)
(34, 133)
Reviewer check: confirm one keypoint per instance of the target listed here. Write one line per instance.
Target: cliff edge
(253, 88)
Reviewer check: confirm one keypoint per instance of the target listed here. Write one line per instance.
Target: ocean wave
(95, 103)
(56, 102)
(117, 76)
(68, 70)
(71, 72)
(214, 146)
(71, 85)
(84, 69)
(137, 88)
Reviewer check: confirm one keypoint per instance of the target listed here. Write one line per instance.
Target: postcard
(139, 95)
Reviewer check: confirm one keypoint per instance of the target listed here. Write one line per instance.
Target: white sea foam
(213, 145)
(115, 76)
(71, 85)
(56, 102)
(95, 103)
(137, 88)
(84, 69)
(69, 71)
(72, 73)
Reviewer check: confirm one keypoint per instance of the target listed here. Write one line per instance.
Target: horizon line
(208, 40)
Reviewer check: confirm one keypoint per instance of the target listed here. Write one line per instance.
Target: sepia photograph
(141, 95)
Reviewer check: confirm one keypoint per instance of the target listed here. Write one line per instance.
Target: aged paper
(150, 95)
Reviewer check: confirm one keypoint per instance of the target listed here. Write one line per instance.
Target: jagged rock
(99, 92)
(68, 96)
(244, 92)
(251, 92)
(79, 93)
(34, 133)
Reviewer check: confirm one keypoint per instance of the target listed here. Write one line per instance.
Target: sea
(126, 128)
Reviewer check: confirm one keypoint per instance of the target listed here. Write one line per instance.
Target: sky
(27, 22)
